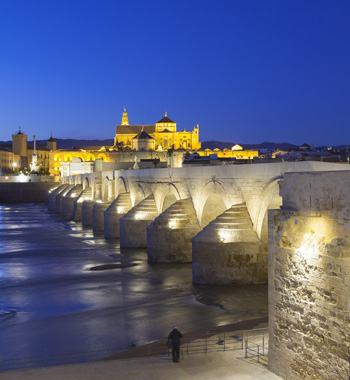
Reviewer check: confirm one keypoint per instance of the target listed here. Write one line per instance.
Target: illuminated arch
(67, 157)
(90, 157)
(214, 202)
(57, 158)
(269, 200)
(57, 166)
(138, 195)
(80, 155)
(85, 183)
(170, 197)
(121, 186)
(102, 156)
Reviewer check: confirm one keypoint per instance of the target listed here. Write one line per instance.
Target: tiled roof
(165, 120)
(143, 135)
(134, 129)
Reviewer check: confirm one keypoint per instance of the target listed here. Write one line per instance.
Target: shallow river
(51, 302)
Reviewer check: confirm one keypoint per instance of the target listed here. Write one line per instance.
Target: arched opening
(90, 157)
(214, 206)
(169, 200)
(105, 188)
(85, 183)
(102, 156)
(80, 155)
(139, 195)
(275, 204)
(68, 157)
(57, 158)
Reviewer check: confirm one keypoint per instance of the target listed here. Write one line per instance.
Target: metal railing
(253, 341)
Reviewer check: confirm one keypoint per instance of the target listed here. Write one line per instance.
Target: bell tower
(19, 143)
(125, 119)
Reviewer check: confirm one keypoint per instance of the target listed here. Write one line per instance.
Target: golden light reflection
(139, 215)
(172, 224)
(120, 209)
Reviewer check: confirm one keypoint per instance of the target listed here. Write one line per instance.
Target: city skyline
(246, 72)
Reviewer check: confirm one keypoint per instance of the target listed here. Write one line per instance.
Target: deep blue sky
(246, 71)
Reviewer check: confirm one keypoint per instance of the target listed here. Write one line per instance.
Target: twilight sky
(246, 71)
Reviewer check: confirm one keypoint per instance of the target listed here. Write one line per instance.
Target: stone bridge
(212, 216)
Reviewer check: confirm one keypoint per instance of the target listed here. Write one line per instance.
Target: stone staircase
(234, 225)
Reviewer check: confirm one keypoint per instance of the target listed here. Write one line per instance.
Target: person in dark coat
(175, 337)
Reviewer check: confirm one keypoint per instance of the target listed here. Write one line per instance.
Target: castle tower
(19, 143)
(125, 120)
(51, 143)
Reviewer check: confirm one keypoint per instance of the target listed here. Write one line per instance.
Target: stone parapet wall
(309, 278)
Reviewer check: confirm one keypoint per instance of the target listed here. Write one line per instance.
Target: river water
(51, 302)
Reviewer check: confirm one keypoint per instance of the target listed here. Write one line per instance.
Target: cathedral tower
(125, 120)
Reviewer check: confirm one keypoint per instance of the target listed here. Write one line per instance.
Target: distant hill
(70, 143)
(265, 145)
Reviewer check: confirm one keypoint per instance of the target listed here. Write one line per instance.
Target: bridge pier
(78, 204)
(98, 216)
(169, 235)
(52, 196)
(47, 195)
(133, 233)
(119, 207)
(229, 252)
(86, 212)
(59, 198)
(68, 201)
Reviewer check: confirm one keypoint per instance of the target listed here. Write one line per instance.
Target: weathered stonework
(229, 252)
(68, 201)
(60, 197)
(120, 207)
(133, 233)
(52, 196)
(309, 277)
(169, 235)
(86, 212)
(77, 214)
(98, 216)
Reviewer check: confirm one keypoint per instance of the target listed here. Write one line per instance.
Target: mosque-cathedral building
(146, 145)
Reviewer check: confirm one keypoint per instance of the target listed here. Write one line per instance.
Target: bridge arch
(270, 199)
(121, 185)
(138, 195)
(170, 197)
(105, 189)
(214, 201)
(85, 183)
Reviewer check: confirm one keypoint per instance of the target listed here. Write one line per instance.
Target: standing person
(175, 337)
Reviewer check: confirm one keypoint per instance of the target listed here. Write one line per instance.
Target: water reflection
(45, 277)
